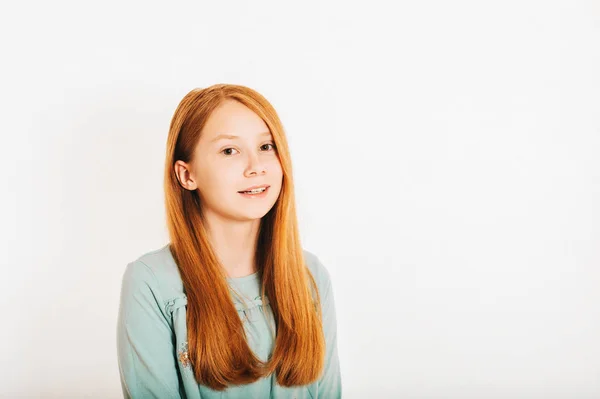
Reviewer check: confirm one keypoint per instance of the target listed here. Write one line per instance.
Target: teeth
(255, 191)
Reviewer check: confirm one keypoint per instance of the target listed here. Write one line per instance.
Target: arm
(330, 384)
(146, 355)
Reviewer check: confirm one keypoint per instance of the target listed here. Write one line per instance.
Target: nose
(255, 166)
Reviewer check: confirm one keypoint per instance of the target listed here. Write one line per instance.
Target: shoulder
(156, 269)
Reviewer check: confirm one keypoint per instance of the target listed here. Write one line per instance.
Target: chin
(255, 215)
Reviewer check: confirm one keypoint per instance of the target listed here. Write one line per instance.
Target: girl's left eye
(272, 145)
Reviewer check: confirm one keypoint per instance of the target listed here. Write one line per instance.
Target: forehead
(233, 118)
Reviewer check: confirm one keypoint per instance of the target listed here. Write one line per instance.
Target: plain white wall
(446, 156)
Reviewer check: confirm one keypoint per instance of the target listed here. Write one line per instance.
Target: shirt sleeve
(330, 383)
(145, 349)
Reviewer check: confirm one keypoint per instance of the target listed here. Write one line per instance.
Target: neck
(234, 243)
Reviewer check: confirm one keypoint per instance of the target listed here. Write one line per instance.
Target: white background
(446, 157)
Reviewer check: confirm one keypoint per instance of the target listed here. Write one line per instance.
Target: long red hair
(299, 349)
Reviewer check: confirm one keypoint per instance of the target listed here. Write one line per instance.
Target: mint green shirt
(152, 334)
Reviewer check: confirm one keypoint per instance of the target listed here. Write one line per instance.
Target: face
(235, 151)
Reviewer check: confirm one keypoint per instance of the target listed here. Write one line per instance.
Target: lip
(253, 187)
(256, 196)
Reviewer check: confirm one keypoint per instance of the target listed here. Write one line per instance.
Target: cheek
(213, 180)
(275, 167)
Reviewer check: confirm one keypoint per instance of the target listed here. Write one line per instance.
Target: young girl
(233, 306)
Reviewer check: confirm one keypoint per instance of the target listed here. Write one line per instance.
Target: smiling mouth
(255, 191)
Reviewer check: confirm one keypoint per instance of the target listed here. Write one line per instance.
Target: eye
(271, 144)
(227, 149)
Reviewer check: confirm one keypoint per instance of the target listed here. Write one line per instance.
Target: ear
(185, 177)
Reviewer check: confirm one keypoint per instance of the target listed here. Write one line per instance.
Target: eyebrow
(232, 137)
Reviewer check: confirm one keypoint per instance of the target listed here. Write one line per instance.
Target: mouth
(259, 192)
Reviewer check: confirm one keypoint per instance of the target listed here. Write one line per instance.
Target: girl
(233, 306)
